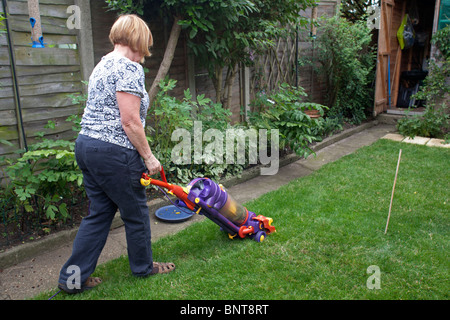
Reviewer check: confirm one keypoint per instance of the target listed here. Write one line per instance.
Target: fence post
(246, 91)
(20, 128)
(86, 44)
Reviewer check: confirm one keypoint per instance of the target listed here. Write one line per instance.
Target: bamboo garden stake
(393, 189)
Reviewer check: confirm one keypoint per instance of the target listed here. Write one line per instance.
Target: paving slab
(431, 142)
(438, 143)
(417, 140)
(394, 136)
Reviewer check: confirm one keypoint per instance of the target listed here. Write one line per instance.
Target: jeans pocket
(135, 167)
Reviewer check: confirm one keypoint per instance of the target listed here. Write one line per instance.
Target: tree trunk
(228, 89)
(217, 82)
(167, 60)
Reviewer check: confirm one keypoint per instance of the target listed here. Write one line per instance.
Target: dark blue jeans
(112, 181)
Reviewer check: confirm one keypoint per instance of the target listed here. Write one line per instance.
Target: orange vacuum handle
(178, 191)
(163, 175)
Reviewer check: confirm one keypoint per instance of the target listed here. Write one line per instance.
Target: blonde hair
(130, 30)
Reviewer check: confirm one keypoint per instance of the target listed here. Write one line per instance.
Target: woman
(108, 150)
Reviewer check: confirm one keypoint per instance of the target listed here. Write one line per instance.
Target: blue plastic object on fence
(40, 43)
(32, 22)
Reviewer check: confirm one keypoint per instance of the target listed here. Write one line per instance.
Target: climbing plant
(220, 33)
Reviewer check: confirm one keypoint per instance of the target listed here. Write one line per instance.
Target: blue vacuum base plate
(173, 214)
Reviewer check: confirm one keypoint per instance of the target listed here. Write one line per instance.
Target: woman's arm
(129, 106)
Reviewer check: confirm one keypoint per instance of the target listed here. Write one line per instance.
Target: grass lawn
(330, 229)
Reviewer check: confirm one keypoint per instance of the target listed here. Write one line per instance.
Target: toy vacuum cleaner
(204, 196)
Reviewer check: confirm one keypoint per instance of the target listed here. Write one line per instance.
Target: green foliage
(2, 30)
(329, 126)
(168, 114)
(44, 177)
(232, 29)
(435, 122)
(442, 40)
(77, 99)
(287, 114)
(222, 33)
(354, 10)
(126, 6)
(197, 16)
(435, 84)
(2, 18)
(347, 63)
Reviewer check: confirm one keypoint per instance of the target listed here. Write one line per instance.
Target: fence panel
(45, 76)
(278, 65)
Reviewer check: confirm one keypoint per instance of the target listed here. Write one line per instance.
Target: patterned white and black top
(101, 118)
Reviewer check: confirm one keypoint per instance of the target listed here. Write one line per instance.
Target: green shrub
(435, 120)
(287, 114)
(433, 123)
(347, 62)
(168, 114)
(44, 177)
(165, 115)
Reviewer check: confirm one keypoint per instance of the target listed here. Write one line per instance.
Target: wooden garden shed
(401, 69)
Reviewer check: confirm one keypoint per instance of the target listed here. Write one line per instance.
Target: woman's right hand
(153, 165)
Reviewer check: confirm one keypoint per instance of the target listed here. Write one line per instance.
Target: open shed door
(400, 72)
(388, 57)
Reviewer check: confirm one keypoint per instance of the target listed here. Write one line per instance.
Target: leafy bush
(430, 124)
(347, 63)
(287, 114)
(44, 177)
(168, 114)
(45, 181)
(442, 40)
(435, 120)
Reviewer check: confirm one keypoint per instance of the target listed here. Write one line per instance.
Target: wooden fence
(35, 83)
(278, 65)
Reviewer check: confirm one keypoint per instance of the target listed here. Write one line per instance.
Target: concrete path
(41, 262)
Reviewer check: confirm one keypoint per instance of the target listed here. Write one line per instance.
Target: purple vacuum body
(217, 204)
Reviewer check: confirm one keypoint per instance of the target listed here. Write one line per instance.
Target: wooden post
(86, 44)
(246, 91)
(12, 60)
(35, 22)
